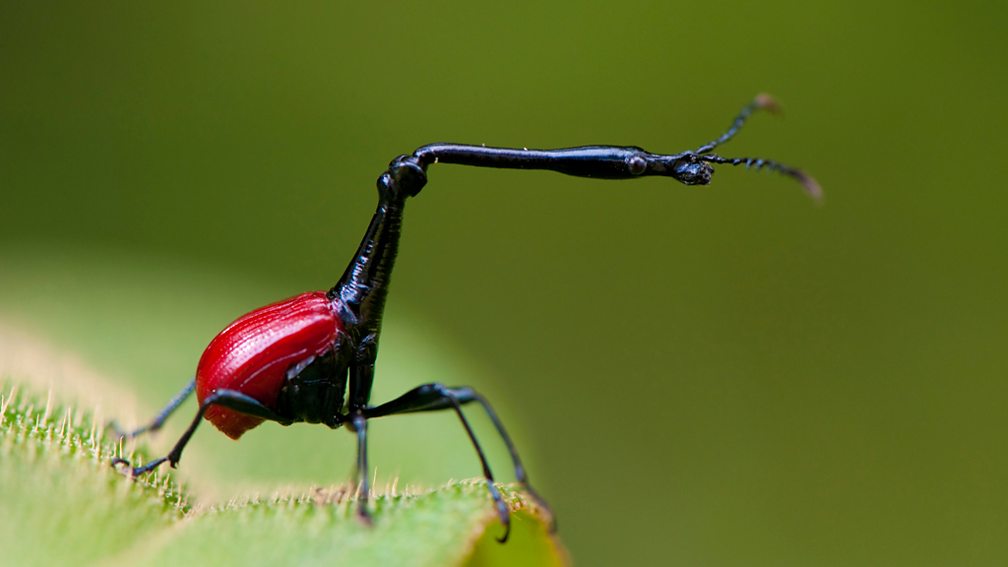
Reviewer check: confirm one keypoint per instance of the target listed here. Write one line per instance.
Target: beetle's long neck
(364, 285)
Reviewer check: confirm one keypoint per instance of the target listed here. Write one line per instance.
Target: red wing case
(252, 355)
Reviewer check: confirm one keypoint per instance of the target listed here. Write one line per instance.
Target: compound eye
(636, 164)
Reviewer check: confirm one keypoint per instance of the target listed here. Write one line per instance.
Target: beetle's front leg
(358, 424)
(361, 378)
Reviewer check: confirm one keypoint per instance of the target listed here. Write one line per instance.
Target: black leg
(361, 379)
(433, 397)
(359, 425)
(161, 417)
(225, 398)
(359, 390)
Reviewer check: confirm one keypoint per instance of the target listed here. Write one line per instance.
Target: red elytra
(253, 354)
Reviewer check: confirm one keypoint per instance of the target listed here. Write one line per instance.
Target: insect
(311, 358)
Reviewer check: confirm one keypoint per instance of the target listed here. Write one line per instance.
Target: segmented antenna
(811, 186)
(766, 102)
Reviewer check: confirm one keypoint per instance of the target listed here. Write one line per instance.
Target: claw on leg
(120, 463)
(364, 515)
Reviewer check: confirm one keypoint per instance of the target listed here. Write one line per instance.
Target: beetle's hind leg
(159, 419)
(433, 397)
(229, 399)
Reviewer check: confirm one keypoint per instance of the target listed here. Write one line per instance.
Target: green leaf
(63, 503)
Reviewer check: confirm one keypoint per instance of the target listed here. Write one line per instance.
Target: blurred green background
(722, 376)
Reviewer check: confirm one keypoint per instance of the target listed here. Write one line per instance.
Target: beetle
(311, 358)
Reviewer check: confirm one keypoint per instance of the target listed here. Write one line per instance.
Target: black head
(691, 169)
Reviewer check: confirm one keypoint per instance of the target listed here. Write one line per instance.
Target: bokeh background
(719, 376)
